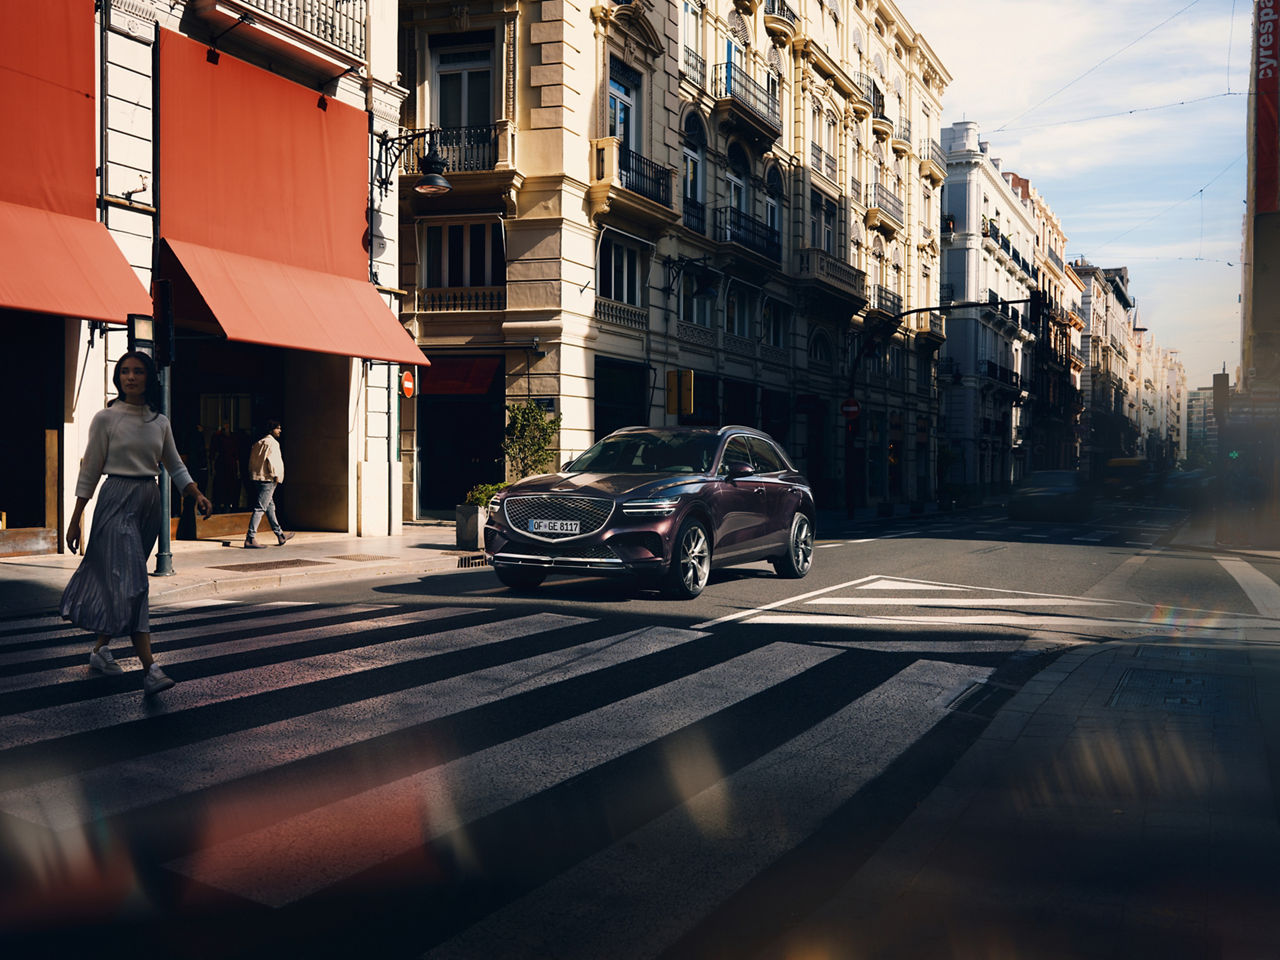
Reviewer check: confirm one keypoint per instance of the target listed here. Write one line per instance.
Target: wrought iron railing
(694, 67)
(1054, 257)
(641, 175)
(822, 161)
(732, 82)
(930, 149)
(778, 8)
(452, 299)
(695, 215)
(338, 22)
(463, 149)
(855, 188)
(735, 226)
(880, 196)
(903, 130)
(864, 85)
(887, 300)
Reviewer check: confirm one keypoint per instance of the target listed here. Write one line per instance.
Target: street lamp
(431, 164)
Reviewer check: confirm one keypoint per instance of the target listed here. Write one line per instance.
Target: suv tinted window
(735, 451)
(766, 456)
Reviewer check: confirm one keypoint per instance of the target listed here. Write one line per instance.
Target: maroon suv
(662, 504)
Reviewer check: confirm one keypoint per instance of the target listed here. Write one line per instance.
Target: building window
(820, 348)
(624, 91)
(736, 177)
(777, 323)
(620, 271)
(694, 309)
(463, 87)
(463, 255)
(737, 311)
(691, 24)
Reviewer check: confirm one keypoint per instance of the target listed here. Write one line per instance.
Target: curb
(249, 583)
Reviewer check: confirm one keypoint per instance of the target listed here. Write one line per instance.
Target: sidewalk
(32, 586)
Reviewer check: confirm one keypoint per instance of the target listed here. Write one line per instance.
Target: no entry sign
(850, 409)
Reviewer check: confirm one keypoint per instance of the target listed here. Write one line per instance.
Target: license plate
(553, 526)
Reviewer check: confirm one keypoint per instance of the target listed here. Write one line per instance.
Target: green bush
(530, 434)
(482, 493)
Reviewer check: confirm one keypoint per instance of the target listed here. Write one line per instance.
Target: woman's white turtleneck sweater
(129, 440)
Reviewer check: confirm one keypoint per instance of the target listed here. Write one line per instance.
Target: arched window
(773, 199)
(820, 348)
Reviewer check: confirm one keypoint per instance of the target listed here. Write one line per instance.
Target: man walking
(266, 467)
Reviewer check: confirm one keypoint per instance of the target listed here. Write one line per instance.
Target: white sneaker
(102, 661)
(154, 680)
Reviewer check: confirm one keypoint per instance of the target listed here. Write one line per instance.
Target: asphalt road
(440, 767)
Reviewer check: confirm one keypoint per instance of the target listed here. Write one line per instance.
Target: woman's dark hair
(272, 424)
(151, 395)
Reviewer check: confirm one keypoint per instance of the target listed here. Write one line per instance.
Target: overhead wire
(1104, 60)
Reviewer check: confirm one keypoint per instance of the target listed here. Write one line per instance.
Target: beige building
(745, 191)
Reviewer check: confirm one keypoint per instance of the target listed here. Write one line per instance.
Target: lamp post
(382, 169)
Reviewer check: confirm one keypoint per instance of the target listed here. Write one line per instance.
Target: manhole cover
(271, 565)
(362, 557)
(1184, 692)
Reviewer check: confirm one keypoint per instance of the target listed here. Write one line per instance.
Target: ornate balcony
(881, 126)
(780, 20)
(479, 162)
(901, 138)
(886, 300)
(884, 210)
(863, 95)
(734, 226)
(933, 162)
(317, 34)
(620, 314)
(931, 329)
(843, 284)
(463, 149)
(629, 184)
(746, 105)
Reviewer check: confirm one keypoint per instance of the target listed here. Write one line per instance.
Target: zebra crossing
(476, 783)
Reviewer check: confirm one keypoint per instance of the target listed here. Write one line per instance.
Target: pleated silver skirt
(108, 592)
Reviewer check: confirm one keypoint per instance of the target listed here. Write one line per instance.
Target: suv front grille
(589, 512)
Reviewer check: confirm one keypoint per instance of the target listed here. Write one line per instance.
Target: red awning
(64, 265)
(459, 375)
(262, 301)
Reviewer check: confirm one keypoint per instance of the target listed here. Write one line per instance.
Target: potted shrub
(469, 516)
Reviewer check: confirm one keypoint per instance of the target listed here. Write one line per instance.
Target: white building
(988, 258)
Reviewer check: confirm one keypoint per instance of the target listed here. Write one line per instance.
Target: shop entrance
(32, 381)
(461, 418)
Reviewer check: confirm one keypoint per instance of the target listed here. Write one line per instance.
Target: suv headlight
(495, 504)
(656, 507)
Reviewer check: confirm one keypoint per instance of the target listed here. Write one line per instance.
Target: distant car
(1050, 495)
(664, 505)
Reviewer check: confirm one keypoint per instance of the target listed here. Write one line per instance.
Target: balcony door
(464, 87)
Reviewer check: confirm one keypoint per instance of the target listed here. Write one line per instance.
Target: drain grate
(362, 557)
(477, 560)
(271, 565)
(982, 700)
(1204, 694)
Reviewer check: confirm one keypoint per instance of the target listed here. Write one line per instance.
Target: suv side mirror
(739, 469)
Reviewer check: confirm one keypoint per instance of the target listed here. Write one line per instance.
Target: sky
(1128, 116)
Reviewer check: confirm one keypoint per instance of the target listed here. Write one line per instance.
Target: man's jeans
(265, 504)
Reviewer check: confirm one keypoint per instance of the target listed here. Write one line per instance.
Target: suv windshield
(653, 451)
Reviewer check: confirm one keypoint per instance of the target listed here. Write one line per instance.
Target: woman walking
(107, 595)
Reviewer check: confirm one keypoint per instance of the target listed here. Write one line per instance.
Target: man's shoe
(154, 680)
(102, 661)
(283, 539)
(254, 545)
